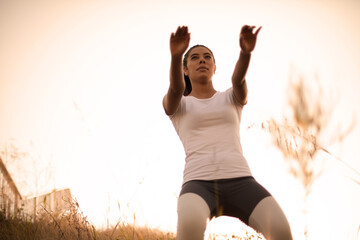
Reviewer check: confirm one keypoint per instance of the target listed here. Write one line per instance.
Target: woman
(217, 178)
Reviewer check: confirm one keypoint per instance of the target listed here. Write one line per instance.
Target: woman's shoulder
(228, 94)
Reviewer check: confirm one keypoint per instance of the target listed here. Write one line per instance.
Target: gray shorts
(235, 197)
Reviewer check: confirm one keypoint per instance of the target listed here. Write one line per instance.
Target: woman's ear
(214, 69)
(186, 72)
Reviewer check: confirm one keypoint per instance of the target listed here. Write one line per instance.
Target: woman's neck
(202, 91)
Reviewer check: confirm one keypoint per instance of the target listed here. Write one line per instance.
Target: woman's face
(200, 64)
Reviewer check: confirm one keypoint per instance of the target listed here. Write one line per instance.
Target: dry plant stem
(269, 125)
(56, 223)
(112, 233)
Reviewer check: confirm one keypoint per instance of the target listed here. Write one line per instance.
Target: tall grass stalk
(299, 136)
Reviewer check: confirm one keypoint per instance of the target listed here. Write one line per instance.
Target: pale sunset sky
(81, 83)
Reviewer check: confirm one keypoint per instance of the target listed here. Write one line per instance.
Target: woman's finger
(258, 30)
(249, 29)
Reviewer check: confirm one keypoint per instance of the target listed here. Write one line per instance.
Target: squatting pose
(217, 179)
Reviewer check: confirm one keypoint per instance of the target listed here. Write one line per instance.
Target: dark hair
(188, 87)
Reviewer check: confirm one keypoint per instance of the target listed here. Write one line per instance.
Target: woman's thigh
(193, 213)
(269, 219)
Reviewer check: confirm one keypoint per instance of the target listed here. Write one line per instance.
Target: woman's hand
(248, 38)
(179, 41)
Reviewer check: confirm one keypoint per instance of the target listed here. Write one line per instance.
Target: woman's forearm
(176, 89)
(177, 83)
(241, 68)
(238, 78)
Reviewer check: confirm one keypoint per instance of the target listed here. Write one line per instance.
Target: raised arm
(247, 45)
(179, 42)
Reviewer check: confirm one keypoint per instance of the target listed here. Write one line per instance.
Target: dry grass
(300, 136)
(71, 225)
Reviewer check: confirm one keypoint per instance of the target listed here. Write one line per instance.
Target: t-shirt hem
(216, 178)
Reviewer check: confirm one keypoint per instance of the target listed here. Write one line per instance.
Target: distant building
(9, 194)
(55, 202)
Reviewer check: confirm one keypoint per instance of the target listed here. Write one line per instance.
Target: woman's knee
(270, 220)
(193, 213)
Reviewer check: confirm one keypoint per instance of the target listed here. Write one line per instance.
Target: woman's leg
(193, 213)
(268, 218)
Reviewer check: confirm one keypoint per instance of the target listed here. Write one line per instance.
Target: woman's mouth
(202, 68)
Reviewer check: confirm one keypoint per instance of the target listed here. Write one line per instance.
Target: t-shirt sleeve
(176, 117)
(231, 97)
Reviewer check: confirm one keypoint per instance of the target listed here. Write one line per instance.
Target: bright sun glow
(85, 80)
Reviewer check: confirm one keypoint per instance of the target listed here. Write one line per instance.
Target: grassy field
(73, 225)
(70, 225)
(76, 227)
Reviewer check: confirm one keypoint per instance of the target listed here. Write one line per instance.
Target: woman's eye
(194, 57)
(208, 56)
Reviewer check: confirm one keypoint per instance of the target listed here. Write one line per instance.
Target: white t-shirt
(209, 130)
